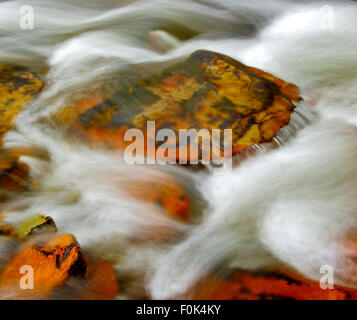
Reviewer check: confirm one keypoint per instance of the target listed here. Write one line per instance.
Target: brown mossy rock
(164, 195)
(52, 261)
(208, 90)
(17, 88)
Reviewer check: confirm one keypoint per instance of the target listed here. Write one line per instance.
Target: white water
(292, 206)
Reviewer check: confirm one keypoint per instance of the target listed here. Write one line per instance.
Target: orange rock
(14, 175)
(207, 91)
(38, 224)
(52, 263)
(101, 282)
(248, 286)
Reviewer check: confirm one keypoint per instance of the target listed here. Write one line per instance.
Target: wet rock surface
(52, 263)
(207, 91)
(243, 285)
(17, 88)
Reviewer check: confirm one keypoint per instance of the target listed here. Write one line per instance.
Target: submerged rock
(243, 285)
(38, 224)
(17, 89)
(208, 90)
(166, 193)
(14, 174)
(7, 230)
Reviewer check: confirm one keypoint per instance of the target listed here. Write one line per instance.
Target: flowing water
(288, 207)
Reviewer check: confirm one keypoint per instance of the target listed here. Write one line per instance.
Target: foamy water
(291, 206)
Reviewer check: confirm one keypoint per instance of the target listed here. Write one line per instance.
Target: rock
(101, 282)
(14, 178)
(59, 269)
(208, 90)
(268, 286)
(17, 88)
(7, 231)
(53, 262)
(166, 193)
(38, 224)
(14, 175)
